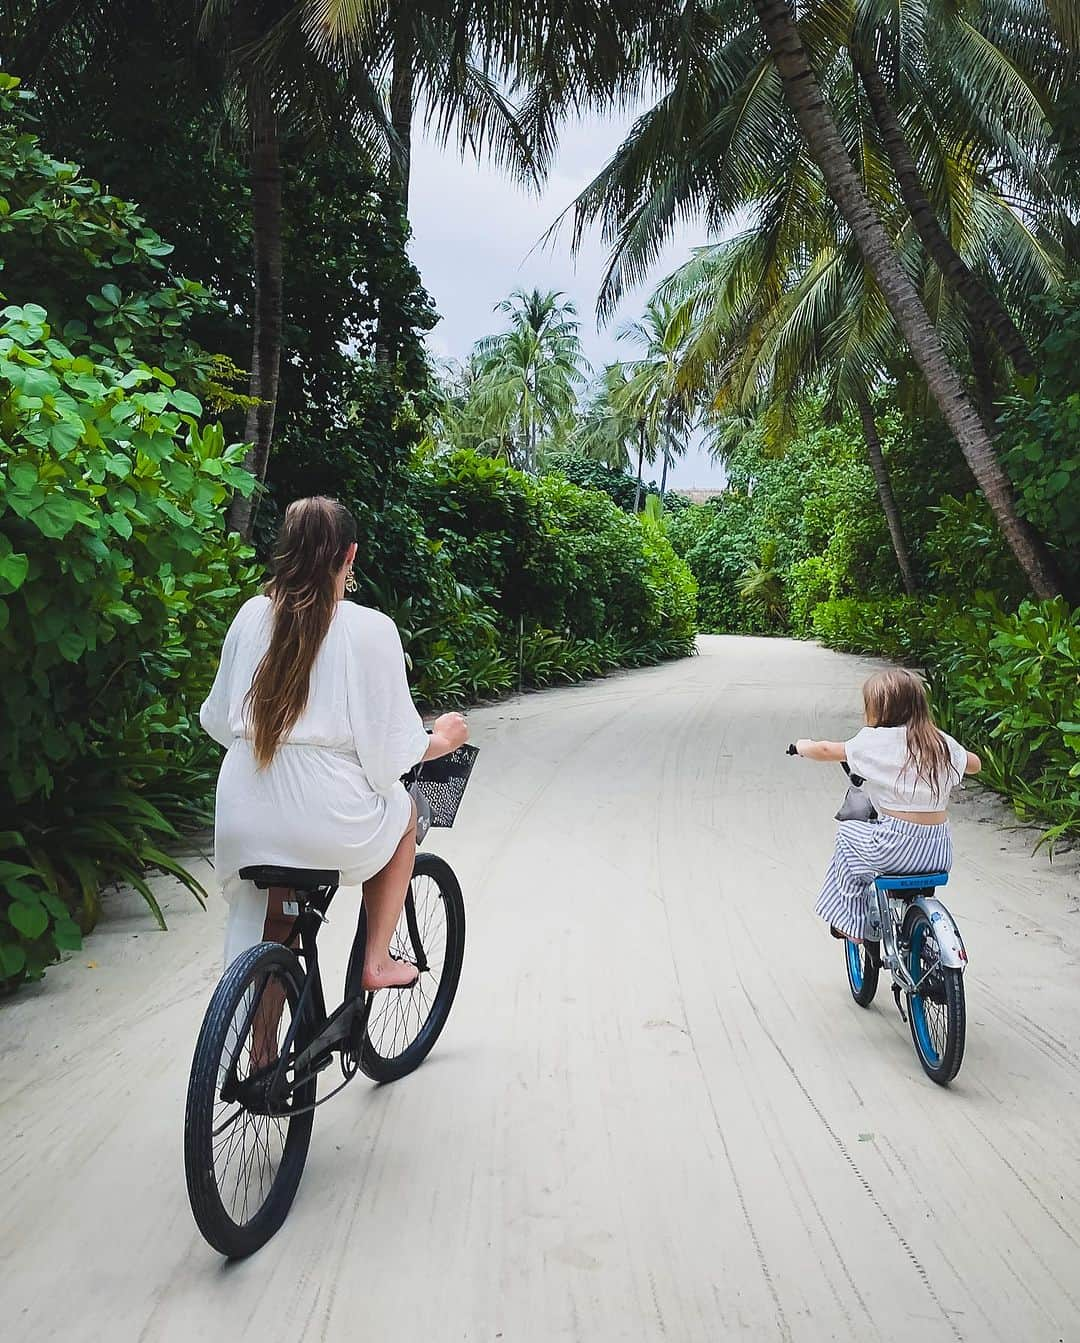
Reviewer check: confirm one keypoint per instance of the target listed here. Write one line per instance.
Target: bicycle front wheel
(244, 1153)
(936, 1011)
(403, 1024)
(863, 963)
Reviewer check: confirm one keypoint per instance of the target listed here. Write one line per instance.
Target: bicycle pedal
(899, 1005)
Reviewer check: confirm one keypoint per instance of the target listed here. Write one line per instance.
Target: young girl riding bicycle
(910, 767)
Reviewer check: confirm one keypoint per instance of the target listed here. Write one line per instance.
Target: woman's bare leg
(265, 1026)
(384, 899)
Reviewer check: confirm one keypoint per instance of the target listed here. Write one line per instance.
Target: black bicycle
(267, 1037)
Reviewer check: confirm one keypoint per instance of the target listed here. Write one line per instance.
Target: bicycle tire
(403, 1025)
(210, 1138)
(863, 964)
(937, 1016)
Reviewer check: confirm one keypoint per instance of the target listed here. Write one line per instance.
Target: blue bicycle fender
(950, 943)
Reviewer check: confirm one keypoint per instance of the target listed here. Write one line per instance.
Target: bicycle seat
(295, 878)
(910, 881)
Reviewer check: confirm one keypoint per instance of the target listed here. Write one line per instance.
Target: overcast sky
(475, 239)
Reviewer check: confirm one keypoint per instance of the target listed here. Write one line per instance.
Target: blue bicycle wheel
(862, 963)
(936, 1010)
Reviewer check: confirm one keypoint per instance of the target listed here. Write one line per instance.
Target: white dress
(331, 797)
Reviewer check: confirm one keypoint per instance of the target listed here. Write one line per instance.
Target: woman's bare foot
(389, 973)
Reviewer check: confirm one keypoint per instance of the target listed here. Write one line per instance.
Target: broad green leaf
(9, 871)
(13, 570)
(71, 646)
(30, 920)
(66, 935)
(185, 402)
(12, 960)
(57, 515)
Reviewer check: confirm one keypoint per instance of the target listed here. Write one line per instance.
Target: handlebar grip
(791, 749)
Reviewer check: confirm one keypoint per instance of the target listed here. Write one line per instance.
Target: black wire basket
(443, 782)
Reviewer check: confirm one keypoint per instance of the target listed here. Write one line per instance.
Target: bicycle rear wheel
(403, 1024)
(243, 1155)
(937, 1012)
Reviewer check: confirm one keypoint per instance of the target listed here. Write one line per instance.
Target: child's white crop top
(879, 754)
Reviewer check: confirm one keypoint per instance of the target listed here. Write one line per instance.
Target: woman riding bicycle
(909, 767)
(312, 702)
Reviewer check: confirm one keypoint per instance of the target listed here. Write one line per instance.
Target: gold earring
(351, 584)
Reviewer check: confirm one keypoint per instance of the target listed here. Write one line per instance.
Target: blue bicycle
(912, 934)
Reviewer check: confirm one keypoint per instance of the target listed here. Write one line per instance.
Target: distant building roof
(699, 496)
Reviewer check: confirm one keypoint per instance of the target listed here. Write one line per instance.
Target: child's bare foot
(389, 973)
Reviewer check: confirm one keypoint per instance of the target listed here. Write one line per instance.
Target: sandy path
(655, 1112)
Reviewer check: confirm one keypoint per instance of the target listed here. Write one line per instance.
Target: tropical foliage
(118, 576)
(880, 341)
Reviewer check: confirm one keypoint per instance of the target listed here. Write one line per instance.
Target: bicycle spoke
(397, 1016)
(247, 1147)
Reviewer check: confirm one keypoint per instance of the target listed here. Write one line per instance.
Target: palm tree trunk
(266, 314)
(985, 390)
(981, 302)
(885, 492)
(663, 474)
(402, 103)
(777, 21)
(640, 466)
(402, 99)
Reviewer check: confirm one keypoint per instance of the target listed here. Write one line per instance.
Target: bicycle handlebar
(856, 779)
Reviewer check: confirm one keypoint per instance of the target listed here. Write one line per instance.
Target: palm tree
(528, 375)
(273, 82)
(1017, 63)
(443, 59)
(656, 389)
(453, 59)
(845, 188)
(828, 331)
(719, 141)
(609, 430)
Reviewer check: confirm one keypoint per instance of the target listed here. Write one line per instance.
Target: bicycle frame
(886, 924)
(349, 1017)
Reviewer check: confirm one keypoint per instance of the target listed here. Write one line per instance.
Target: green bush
(549, 555)
(719, 543)
(620, 486)
(809, 583)
(115, 587)
(966, 552)
(1040, 433)
(90, 260)
(891, 627)
(1008, 684)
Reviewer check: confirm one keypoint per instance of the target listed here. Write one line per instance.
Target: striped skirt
(866, 849)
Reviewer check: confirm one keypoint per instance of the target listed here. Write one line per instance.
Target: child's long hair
(897, 698)
(314, 540)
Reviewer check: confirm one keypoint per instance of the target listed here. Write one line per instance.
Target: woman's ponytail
(312, 547)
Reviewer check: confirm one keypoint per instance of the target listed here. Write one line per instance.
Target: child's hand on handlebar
(450, 730)
(834, 751)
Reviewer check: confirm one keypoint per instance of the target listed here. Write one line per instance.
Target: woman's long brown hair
(897, 698)
(314, 540)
